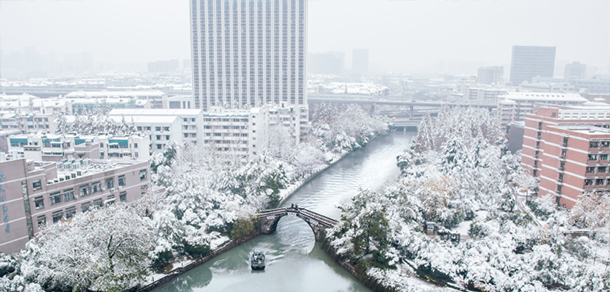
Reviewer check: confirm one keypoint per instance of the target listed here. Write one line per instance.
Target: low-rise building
(164, 125)
(568, 149)
(33, 194)
(55, 147)
(155, 97)
(513, 106)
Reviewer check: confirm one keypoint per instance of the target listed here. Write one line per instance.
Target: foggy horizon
(413, 37)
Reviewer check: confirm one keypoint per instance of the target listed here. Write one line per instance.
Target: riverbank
(191, 264)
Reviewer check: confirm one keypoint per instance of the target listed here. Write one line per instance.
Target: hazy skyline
(402, 36)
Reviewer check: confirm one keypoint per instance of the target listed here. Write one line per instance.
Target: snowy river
(294, 261)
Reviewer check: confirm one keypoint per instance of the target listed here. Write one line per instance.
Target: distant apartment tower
(163, 66)
(490, 75)
(331, 63)
(248, 53)
(531, 61)
(360, 61)
(568, 149)
(575, 70)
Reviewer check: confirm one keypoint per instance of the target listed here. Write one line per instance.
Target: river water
(295, 262)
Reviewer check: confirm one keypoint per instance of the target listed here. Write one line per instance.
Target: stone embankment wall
(196, 262)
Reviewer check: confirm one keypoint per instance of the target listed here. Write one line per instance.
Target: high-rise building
(531, 61)
(360, 61)
(248, 53)
(331, 63)
(490, 75)
(575, 70)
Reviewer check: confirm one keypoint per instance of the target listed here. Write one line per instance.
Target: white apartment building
(30, 114)
(178, 102)
(164, 125)
(248, 53)
(82, 106)
(155, 97)
(55, 147)
(513, 106)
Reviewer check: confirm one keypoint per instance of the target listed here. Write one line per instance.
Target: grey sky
(403, 36)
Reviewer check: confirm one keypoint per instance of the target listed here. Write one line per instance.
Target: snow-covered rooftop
(145, 119)
(154, 112)
(545, 96)
(94, 94)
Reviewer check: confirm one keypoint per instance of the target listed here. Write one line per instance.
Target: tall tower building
(248, 52)
(531, 61)
(575, 70)
(490, 75)
(360, 61)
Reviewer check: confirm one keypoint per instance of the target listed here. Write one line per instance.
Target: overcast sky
(402, 36)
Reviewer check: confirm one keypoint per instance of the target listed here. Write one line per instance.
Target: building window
(55, 198)
(143, 189)
(142, 174)
(605, 144)
(122, 180)
(594, 144)
(85, 206)
(68, 195)
(603, 157)
(158, 146)
(98, 203)
(602, 169)
(158, 137)
(37, 185)
(166, 137)
(39, 203)
(109, 183)
(84, 190)
(123, 197)
(97, 187)
(110, 200)
(590, 169)
(599, 182)
(70, 212)
(41, 221)
(57, 216)
(592, 156)
(135, 145)
(535, 172)
(166, 128)
(563, 154)
(588, 182)
(158, 128)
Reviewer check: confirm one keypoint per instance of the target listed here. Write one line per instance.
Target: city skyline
(411, 37)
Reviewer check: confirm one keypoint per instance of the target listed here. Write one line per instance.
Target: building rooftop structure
(38, 193)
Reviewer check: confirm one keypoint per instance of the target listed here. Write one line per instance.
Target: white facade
(155, 97)
(53, 147)
(248, 53)
(178, 102)
(515, 105)
(164, 125)
(31, 114)
(490, 75)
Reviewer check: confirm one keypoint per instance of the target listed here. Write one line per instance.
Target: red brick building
(568, 149)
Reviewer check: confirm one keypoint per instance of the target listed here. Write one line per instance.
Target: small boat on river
(257, 260)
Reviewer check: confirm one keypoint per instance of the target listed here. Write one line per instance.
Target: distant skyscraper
(575, 70)
(248, 52)
(490, 75)
(531, 61)
(326, 63)
(360, 61)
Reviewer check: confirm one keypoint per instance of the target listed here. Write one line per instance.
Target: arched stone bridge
(318, 223)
